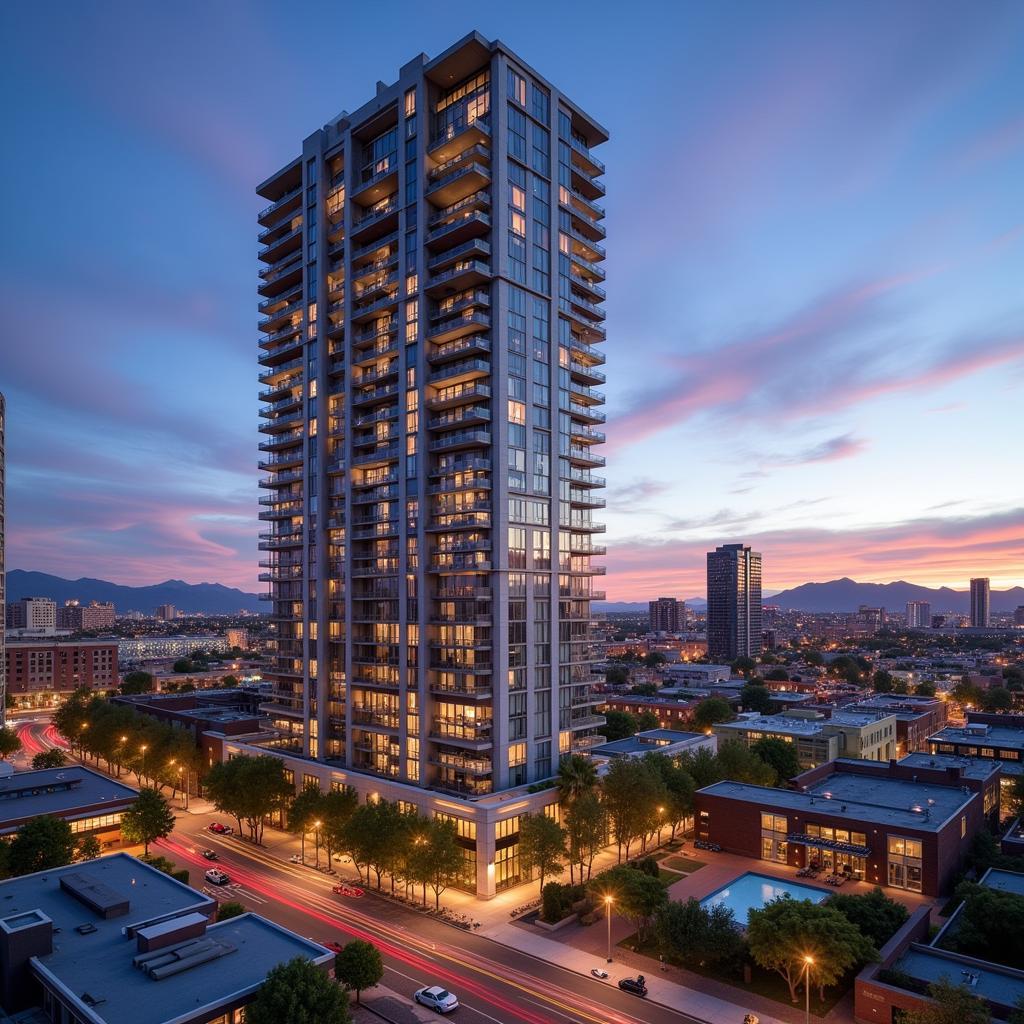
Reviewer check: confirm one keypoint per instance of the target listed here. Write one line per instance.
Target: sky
(816, 259)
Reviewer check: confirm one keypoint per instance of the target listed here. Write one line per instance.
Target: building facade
(667, 615)
(92, 616)
(3, 574)
(145, 648)
(734, 602)
(905, 827)
(32, 614)
(430, 287)
(919, 615)
(42, 671)
(167, 612)
(980, 618)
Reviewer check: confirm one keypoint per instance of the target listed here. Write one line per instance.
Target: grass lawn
(668, 877)
(762, 983)
(685, 865)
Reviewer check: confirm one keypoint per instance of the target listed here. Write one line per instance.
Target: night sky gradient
(816, 260)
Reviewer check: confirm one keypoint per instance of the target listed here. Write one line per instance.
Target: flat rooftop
(647, 742)
(1002, 985)
(878, 800)
(777, 724)
(58, 791)
(996, 736)
(99, 962)
(1004, 881)
(973, 767)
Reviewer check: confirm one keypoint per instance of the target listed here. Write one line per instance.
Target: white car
(216, 877)
(437, 998)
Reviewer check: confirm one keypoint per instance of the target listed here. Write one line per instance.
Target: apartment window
(540, 103)
(963, 826)
(541, 156)
(904, 857)
(517, 87)
(410, 102)
(774, 845)
(517, 134)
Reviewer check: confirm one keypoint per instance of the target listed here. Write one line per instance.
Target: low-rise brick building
(41, 672)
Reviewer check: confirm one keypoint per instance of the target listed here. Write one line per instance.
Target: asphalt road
(494, 983)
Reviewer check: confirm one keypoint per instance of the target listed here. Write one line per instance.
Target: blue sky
(816, 244)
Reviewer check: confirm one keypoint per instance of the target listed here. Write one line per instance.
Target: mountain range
(846, 595)
(211, 598)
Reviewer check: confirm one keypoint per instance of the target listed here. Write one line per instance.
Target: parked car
(295, 859)
(436, 998)
(219, 829)
(209, 854)
(352, 891)
(635, 985)
(600, 974)
(334, 947)
(216, 877)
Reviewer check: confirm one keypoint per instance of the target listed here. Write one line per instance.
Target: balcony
(585, 435)
(278, 541)
(465, 274)
(458, 564)
(384, 347)
(378, 457)
(455, 337)
(466, 688)
(377, 179)
(459, 177)
(586, 394)
(448, 398)
(374, 394)
(372, 418)
(580, 261)
(461, 731)
(466, 415)
(374, 247)
(582, 456)
(376, 221)
(461, 372)
(361, 313)
(585, 183)
(457, 137)
(277, 390)
(580, 478)
(269, 214)
(282, 277)
(475, 247)
(470, 224)
(277, 319)
(475, 201)
(281, 440)
(592, 251)
(585, 499)
(281, 348)
(281, 459)
(283, 245)
(583, 219)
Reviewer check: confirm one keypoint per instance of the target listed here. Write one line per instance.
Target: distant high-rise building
(734, 602)
(77, 616)
(167, 612)
(919, 614)
(980, 602)
(237, 638)
(667, 615)
(3, 577)
(38, 614)
(871, 619)
(1018, 615)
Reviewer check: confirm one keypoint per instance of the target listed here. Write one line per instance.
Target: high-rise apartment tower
(667, 615)
(734, 602)
(430, 291)
(919, 615)
(980, 602)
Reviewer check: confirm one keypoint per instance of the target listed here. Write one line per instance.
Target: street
(493, 982)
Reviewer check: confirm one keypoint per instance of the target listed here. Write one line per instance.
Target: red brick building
(41, 672)
(902, 826)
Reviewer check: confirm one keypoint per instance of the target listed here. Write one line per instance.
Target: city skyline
(780, 369)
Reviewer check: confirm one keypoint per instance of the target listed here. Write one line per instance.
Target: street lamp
(143, 748)
(808, 963)
(608, 901)
(661, 814)
(316, 837)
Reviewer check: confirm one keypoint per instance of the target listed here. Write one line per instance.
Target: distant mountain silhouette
(847, 595)
(213, 598)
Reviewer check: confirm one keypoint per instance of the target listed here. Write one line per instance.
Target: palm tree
(576, 776)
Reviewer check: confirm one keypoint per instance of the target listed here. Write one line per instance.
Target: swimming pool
(754, 891)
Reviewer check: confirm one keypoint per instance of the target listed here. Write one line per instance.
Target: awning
(802, 839)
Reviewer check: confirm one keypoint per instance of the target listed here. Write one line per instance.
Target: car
(436, 998)
(599, 974)
(295, 859)
(221, 830)
(216, 877)
(352, 891)
(209, 854)
(635, 985)
(334, 947)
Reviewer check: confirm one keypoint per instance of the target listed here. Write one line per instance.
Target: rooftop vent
(96, 895)
(85, 929)
(90, 1000)
(176, 959)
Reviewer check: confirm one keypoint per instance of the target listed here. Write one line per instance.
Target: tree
(654, 660)
(780, 755)
(359, 966)
(998, 698)
(370, 835)
(786, 931)
(541, 845)
(967, 694)
(712, 710)
(148, 819)
(248, 788)
(953, 1004)
(618, 725)
(755, 697)
(694, 935)
(88, 848)
(990, 925)
(1015, 798)
(644, 690)
(137, 682)
(646, 720)
(9, 742)
(577, 776)
(42, 843)
(636, 895)
(883, 681)
(813, 657)
(229, 681)
(52, 758)
(925, 689)
(298, 992)
(586, 831)
(702, 766)
(305, 808)
(744, 665)
(443, 856)
(777, 675)
(738, 763)
(633, 791)
(336, 808)
(875, 914)
(183, 665)
(616, 675)
(679, 789)
(230, 909)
